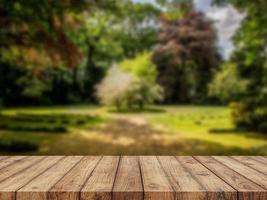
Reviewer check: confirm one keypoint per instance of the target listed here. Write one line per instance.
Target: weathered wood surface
(133, 178)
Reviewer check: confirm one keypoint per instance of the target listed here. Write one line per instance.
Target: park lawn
(164, 130)
(207, 123)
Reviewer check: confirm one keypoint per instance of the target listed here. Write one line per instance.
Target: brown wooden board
(69, 187)
(38, 188)
(100, 184)
(246, 188)
(155, 181)
(215, 187)
(128, 182)
(133, 178)
(250, 173)
(185, 185)
(10, 186)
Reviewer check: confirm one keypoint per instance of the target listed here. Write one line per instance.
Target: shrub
(80, 122)
(246, 116)
(30, 128)
(18, 146)
(122, 89)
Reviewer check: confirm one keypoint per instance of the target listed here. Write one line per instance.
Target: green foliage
(186, 57)
(142, 67)
(251, 58)
(131, 84)
(227, 84)
(246, 116)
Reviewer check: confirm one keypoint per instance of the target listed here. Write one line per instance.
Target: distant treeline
(61, 52)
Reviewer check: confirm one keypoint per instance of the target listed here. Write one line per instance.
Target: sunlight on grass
(176, 130)
(197, 123)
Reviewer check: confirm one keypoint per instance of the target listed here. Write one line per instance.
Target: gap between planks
(133, 178)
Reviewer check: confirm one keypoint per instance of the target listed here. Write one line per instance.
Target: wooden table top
(133, 178)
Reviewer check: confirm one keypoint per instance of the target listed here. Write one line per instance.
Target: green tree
(227, 85)
(34, 38)
(146, 88)
(251, 58)
(129, 32)
(186, 57)
(131, 84)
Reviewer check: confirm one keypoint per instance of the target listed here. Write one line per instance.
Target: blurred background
(133, 77)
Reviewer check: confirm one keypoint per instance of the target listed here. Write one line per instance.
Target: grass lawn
(94, 130)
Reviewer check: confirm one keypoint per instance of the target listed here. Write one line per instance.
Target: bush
(29, 128)
(17, 146)
(80, 122)
(123, 89)
(246, 115)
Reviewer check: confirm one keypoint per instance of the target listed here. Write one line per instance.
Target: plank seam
(141, 176)
(37, 175)
(248, 165)
(189, 171)
(164, 171)
(4, 158)
(238, 193)
(253, 158)
(80, 195)
(213, 172)
(118, 165)
(47, 192)
(13, 163)
(23, 168)
(241, 174)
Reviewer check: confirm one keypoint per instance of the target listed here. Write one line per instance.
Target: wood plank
(246, 188)
(259, 166)
(185, 186)
(38, 188)
(9, 160)
(9, 187)
(260, 159)
(252, 174)
(18, 166)
(215, 187)
(128, 184)
(155, 181)
(3, 157)
(100, 184)
(68, 188)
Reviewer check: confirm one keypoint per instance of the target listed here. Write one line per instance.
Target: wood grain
(214, 186)
(185, 186)
(9, 160)
(259, 166)
(246, 188)
(13, 183)
(128, 184)
(251, 174)
(18, 166)
(155, 181)
(260, 159)
(133, 178)
(3, 157)
(100, 184)
(38, 188)
(69, 187)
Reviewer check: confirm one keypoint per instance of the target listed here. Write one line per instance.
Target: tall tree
(186, 56)
(251, 58)
(110, 36)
